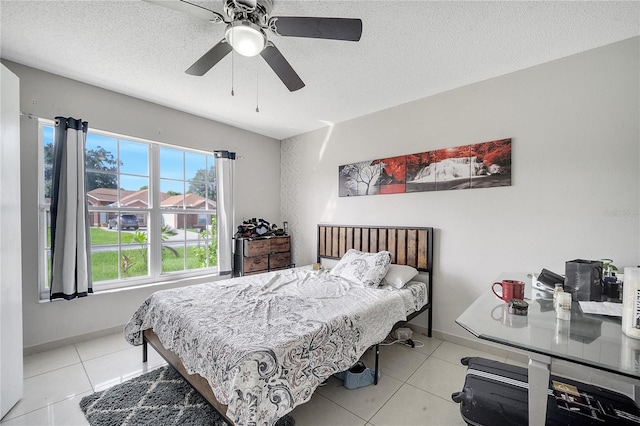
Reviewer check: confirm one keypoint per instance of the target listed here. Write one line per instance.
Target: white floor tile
(320, 411)
(66, 413)
(429, 344)
(102, 346)
(118, 367)
(439, 377)
(49, 388)
(363, 402)
(452, 352)
(50, 360)
(396, 360)
(414, 407)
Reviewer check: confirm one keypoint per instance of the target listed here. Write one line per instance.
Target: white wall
(46, 95)
(575, 183)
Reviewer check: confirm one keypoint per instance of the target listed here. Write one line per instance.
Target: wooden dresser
(256, 255)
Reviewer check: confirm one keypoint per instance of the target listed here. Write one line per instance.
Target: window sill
(170, 283)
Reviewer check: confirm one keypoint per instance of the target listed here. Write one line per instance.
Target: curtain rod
(32, 116)
(35, 117)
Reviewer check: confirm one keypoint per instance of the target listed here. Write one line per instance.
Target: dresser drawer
(279, 245)
(279, 260)
(254, 256)
(256, 247)
(256, 263)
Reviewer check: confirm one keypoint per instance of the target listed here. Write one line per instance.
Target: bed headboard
(411, 246)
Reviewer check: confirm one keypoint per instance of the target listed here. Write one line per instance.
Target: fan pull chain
(257, 87)
(232, 55)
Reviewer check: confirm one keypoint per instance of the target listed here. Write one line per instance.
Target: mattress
(265, 342)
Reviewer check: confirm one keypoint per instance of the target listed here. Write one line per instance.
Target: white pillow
(398, 275)
(363, 268)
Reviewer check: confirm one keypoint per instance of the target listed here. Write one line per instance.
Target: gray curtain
(225, 161)
(70, 266)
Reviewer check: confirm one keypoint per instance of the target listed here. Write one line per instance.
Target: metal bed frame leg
(144, 349)
(375, 377)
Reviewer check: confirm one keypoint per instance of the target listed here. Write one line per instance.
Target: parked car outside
(126, 221)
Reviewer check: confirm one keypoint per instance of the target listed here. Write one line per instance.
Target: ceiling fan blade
(281, 67)
(209, 59)
(189, 9)
(307, 26)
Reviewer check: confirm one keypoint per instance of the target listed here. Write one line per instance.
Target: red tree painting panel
(482, 165)
(419, 177)
(438, 170)
(494, 164)
(453, 168)
(392, 175)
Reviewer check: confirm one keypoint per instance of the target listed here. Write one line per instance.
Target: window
(152, 210)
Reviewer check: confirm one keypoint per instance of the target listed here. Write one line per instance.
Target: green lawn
(104, 265)
(101, 236)
(105, 236)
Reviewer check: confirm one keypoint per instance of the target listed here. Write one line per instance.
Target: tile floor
(415, 387)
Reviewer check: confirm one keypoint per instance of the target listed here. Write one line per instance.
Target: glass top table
(593, 340)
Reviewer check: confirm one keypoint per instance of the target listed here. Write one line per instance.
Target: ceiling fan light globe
(246, 38)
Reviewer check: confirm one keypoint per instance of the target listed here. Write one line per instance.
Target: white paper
(602, 308)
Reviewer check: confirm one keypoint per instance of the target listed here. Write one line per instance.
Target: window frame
(153, 210)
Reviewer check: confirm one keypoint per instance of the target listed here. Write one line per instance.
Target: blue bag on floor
(357, 376)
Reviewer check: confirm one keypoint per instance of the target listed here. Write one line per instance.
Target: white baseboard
(31, 350)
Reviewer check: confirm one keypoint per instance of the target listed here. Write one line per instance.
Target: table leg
(539, 369)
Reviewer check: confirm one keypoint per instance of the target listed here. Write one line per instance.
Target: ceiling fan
(247, 22)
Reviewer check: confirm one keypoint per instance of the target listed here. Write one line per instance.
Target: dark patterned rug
(160, 397)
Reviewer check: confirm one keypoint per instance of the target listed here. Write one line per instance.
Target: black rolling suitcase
(496, 393)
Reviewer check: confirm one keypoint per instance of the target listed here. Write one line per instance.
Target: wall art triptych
(482, 165)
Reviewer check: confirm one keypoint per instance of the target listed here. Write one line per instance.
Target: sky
(176, 165)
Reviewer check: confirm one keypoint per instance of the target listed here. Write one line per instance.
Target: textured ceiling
(409, 50)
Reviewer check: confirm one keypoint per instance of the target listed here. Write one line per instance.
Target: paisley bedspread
(265, 342)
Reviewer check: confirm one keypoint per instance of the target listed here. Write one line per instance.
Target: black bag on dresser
(495, 393)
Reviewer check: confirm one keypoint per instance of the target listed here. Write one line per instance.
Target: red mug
(511, 289)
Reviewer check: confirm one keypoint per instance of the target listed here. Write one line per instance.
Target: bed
(257, 346)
